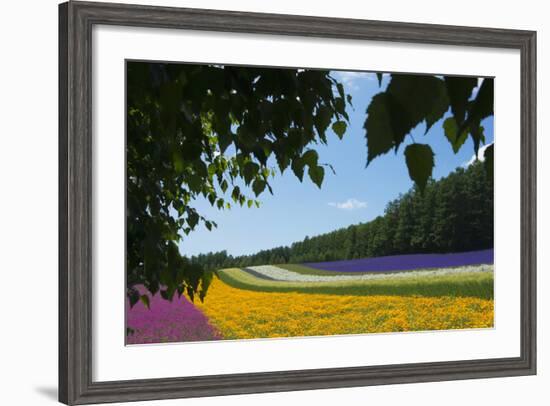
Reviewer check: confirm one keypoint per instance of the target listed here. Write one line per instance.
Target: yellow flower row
(239, 313)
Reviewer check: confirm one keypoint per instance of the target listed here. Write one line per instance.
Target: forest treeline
(453, 214)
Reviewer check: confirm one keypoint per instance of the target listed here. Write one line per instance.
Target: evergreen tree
(452, 214)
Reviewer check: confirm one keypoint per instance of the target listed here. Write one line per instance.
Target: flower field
(407, 262)
(166, 321)
(301, 300)
(478, 283)
(277, 273)
(239, 313)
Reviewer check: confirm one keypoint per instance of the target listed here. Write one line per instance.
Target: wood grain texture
(76, 20)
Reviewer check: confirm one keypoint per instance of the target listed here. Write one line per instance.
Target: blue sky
(355, 194)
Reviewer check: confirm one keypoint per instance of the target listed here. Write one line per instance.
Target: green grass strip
(467, 284)
(306, 270)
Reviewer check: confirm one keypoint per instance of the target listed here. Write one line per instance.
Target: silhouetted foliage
(412, 99)
(181, 121)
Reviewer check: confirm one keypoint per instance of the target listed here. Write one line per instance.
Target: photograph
(260, 201)
(278, 202)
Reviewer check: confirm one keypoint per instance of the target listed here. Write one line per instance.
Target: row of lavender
(407, 262)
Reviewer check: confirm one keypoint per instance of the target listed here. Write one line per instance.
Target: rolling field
(301, 300)
(239, 313)
(467, 284)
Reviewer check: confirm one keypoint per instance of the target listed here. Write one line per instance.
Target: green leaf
(489, 161)
(224, 185)
(439, 108)
(482, 106)
(236, 193)
(420, 162)
(212, 198)
(478, 135)
(408, 100)
(145, 300)
(298, 168)
(212, 169)
(195, 182)
(310, 157)
(322, 119)
(250, 203)
(340, 88)
(167, 294)
(380, 76)
(459, 90)
(340, 106)
(258, 186)
(380, 126)
(178, 161)
(339, 128)
(133, 296)
(316, 174)
(249, 171)
(192, 219)
(423, 97)
(484, 102)
(283, 161)
(451, 132)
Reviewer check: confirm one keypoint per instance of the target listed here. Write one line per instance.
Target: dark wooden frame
(76, 20)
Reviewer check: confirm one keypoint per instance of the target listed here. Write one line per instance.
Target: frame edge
(63, 323)
(75, 377)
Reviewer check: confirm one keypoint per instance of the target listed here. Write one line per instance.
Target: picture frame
(76, 352)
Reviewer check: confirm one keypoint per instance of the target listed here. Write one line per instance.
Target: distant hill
(454, 214)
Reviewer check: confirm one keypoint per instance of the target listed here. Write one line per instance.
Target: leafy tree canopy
(412, 99)
(182, 120)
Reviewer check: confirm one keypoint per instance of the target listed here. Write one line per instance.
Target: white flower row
(280, 274)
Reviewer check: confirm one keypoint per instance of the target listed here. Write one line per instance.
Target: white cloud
(480, 155)
(350, 79)
(350, 204)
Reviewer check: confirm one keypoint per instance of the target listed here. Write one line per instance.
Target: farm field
(406, 262)
(468, 282)
(239, 313)
(299, 300)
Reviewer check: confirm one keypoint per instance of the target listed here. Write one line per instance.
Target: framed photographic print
(258, 202)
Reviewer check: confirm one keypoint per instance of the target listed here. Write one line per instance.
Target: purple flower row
(407, 262)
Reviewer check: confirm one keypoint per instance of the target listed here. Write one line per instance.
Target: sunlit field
(240, 313)
(295, 300)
